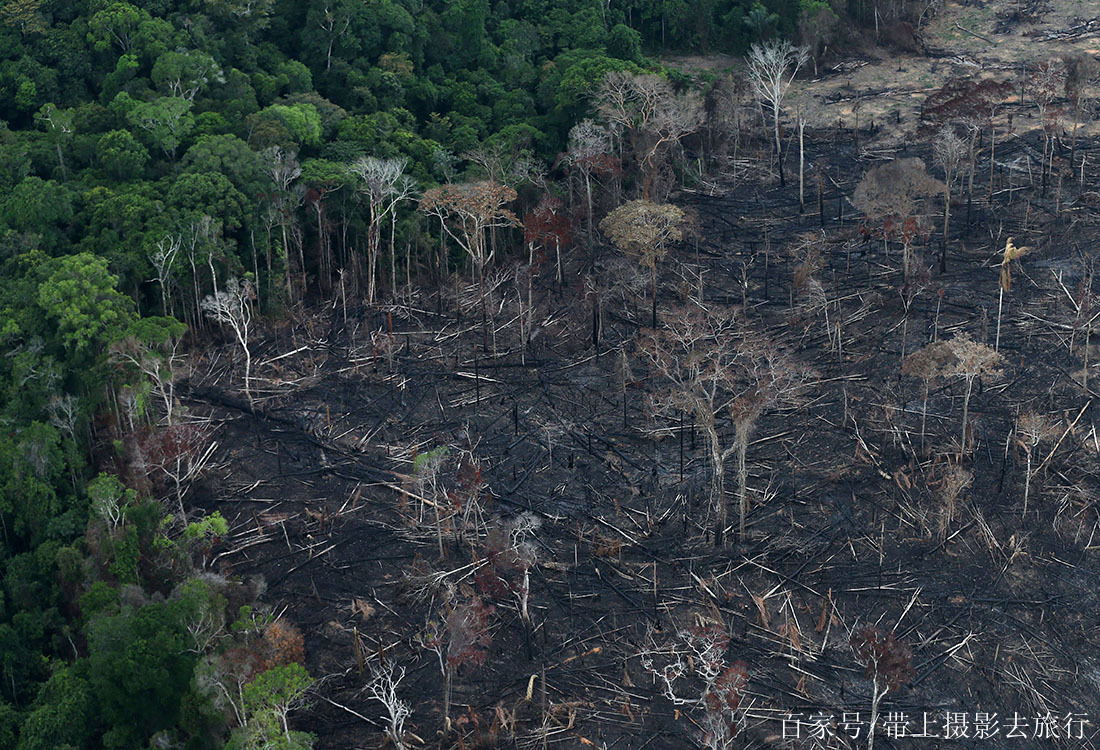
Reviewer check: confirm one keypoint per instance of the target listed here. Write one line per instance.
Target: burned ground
(847, 524)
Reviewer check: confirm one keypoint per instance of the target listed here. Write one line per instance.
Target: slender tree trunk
(1027, 478)
(946, 207)
(588, 199)
(742, 444)
(876, 698)
(992, 157)
(447, 701)
(654, 295)
(778, 146)
(997, 336)
(966, 415)
(801, 166)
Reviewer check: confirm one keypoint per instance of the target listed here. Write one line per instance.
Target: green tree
(140, 668)
(269, 698)
(120, 155)
(80, 297)
(167, 121)
(115, 26)
(64, 714)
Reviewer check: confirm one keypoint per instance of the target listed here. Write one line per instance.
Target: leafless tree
(642, 231)
(1045, 83)
(384, 185)
(385, 678)
(971, 360)
(772, 67)
(653, 115)
(927, 364)
(1032, 429)
(283, 169)
(712, 366)
(692, 671)
(465, 212)
(162, 258)
(233, 307)
(948, 150)
(589, 152)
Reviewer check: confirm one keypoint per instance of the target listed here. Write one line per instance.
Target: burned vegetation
(497, 502)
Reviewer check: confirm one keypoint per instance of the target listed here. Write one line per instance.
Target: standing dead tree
(384, 185)
(1046, 82)
(692, 671)
(466, 211)
(233, 307)
(163, 257)
(642, 231)
(712, 367)
(589, 154)
(960, 357)
(886, 662)
(651, 113)
(948, 151)
(460, 639)
(973, 105)
(283, 169)
(548, 226)
(385, 679)
(772, 68)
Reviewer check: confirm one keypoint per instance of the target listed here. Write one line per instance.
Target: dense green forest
(153, 154)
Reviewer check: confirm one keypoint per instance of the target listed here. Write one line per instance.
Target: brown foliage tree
(891, 193)
(642, 231)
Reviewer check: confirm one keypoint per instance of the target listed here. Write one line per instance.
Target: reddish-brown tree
(886, 662)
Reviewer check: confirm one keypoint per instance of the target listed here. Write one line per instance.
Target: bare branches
(384, 184)
(233, 307)
(772, 67)
(692, 671)
(711, 366)
(385, 679)
(649, 109)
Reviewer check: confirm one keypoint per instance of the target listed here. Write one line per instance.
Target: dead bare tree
(653, 115)
(233, 307)
(385, 678)
(162, 257)
(465, 212)
(948, 150)
(1033, 429)
(642, 231)
(283, 169)
(971, 360)
(589, 153)
(711, 366)
(1046, 82)
(384, 185)
(772, 67)
(692, 671)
